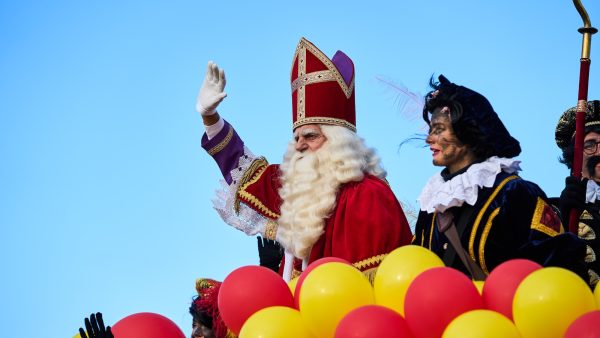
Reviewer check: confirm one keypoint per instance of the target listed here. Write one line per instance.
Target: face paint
(447, 150)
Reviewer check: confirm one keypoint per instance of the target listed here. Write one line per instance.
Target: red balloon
(372, 321)
(310, 268)
(249, 289)
(500, 286)
(437, 296)
(586, 326)
(146, 325)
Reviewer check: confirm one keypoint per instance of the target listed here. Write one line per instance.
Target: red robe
(366, 223)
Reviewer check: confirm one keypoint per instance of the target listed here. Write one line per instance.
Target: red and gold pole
(584, 72)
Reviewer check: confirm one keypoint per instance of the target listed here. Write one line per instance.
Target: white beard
(310, 182)
(309, 190)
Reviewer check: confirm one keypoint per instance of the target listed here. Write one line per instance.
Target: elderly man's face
(591, 156)
(309, 137)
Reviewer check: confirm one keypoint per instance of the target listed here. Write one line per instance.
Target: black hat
(478, 111)
(565, 129)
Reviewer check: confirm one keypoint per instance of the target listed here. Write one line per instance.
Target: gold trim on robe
(252, 199)
(482, 212)
(212, 151)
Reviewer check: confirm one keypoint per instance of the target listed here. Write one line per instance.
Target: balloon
(397, 271)
(479, 285)
(481, 324)
(435, 298)
(249, 289)
(501, 284)
(77, 336)
(329, 292)
(597, 295)
(146, 325)
(310, 268)
(586, 326)
(548, 300)
(372, 321)
(275, 322)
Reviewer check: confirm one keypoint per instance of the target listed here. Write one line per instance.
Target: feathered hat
(477, 110)
(322, 88)
(205, 309)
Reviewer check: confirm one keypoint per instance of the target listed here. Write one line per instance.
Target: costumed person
(329, 197)
(478, 213)
(207, 322)
(583, 194)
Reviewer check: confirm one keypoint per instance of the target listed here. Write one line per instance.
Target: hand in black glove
(95, 328)
(270, 253)
(572, 197)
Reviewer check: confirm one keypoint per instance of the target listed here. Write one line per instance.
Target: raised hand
(211, 93)
(95, 328)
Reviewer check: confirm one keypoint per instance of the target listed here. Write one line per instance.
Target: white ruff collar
(439, 195)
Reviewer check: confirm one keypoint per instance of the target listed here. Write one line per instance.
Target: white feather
(410, 103)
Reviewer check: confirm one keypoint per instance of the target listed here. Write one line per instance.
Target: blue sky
(105, 191)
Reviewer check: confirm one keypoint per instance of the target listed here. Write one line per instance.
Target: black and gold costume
(511, 219)
(581, 194)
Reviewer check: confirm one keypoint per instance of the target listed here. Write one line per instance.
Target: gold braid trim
(222, 144)
(271, 230)
(369, 261)
(305, 45)
(254, 166)
(314, 77)
(323, 120)
(537, 217)
(482, 212)
(203, 284)
(483, 240)
(253, 200)
(430, 231)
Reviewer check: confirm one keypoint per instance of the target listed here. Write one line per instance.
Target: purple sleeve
(226, 148)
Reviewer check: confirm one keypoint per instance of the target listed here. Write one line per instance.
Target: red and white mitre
(322, 88)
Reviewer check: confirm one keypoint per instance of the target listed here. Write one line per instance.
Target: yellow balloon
(549, 300)
(481, 324)
(275, 322)
(329, 292)
(479, 285)
(77, 336)
(397, 270)
(292, 285)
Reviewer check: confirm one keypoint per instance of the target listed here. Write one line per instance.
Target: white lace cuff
(247, 219)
